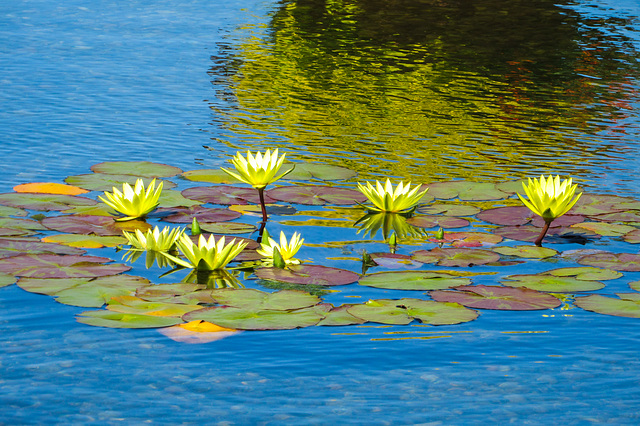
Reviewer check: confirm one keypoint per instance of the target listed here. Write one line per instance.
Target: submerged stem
(538, 242)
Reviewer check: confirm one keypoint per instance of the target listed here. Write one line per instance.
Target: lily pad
(403, 311)
(248, 319)
(449, 209)
(635, 285)
(340, 316)
(628, 304)
(455, 256)
(97, 225)
(144, 169)
(317, 195)
(549, 283)
(11, 211)
(632, 237)
(188, 293)
(395, 260)
(308, 274)
(529, 252)
(499, 298)
(44, 202)
(308, 171)
(202, 214)
(227, 227)
(133, 305)
(470, 239)
(616, 261)
(559, 235)
(59, 266)
(19, 246)
(49, 188)
(282, 300)
(227, 195)
(7, 279)
(521, 215)
(105, 182)
(85, 241)
(384, 311)
(210, 176)
(628, 216)
(466, 191)
(606, 229)
(171, 198)
(446, 222)
(120, 320)
(412, 280)
(594, 204)
(21, 224)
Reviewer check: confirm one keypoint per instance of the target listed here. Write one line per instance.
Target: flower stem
(264, 207)
(538, 242)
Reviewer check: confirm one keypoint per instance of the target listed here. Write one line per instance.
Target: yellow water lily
(133, 202)
(287, 249)
(207, 254)
(387, 199)
(154, 239)
(258, 171)
(550, 198)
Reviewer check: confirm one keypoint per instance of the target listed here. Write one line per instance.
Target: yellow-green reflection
(371, 223)
(213, 279)
(428, 90)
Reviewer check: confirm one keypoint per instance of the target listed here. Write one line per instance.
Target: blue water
(85, 82)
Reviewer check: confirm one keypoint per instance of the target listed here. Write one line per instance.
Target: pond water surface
(428, 91)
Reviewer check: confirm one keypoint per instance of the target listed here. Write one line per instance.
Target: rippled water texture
(427, 90)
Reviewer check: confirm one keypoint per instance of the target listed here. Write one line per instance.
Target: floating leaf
(85, 241)
(44, 202)
(500, 298)
(412, 280)
(628, 216)
(605, 229)
(210, 176)
(59, 266)
(226, 195)
(340, 316)
(227, 228)
(49, 188)
(628, 304)
(143, 169)
(446, 222)
(549, 283)
(198, 331)
(105, 182)
(19, 246)
(635, 285)
(120, 320)
(594, 204)
(308, 274)
(98, 225)
(256, 210)
(282, 300)
(633, 237)
(317, 195)
(171, 198)
(384, 311)
(558, 235)
(467, 191)
(7, 279)
(11, 211)
(248, 319)
(202, 214)
(308, 171)
(470, 239)
(403, 311)
(616, 261)
(133, 305)
(449, 209)
(188, 293)
(455, 256)
(529, 252)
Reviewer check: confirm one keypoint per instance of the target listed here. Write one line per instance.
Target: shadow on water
(432, 89)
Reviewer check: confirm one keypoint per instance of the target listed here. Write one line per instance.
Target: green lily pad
(133, 305)
(282, 300)
(403, 311)
(317, 195)
(248, 319)
(339, 316)
(449, 209)
(210, 176)
(44, 202)
(606, 229)
(466, 191)
(12, 211)
(446, 222)
(308, 171)
(85, 292)
(499, 298)
(595, 204)
(18, 246)
(202, 214)
(412, 280)
(455, 256)
(120, 320)
(144, 169)
(635, 285)
(105, 182)
(59, 266)
(21, 224)
(615, 261)
(529, 252)
(97, 225)
(171, 198)
(549, 283)
(470, 239)
(85, 241)
(188, 293)
(628, 216)
(628, 304)
(226, 195)
(521, 215)
(228, 228)
(632, 237)
(6, 280)
(308, 274)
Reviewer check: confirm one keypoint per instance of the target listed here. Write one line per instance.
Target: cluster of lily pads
(212, 298)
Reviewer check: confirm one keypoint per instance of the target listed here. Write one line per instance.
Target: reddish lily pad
(120, 320)
(632, 237)
(455, 256)
(556, 235)
(11, 211)
(412, 280)
(21, 224)
(188, 293)
(628, 304)
(449, 209)
(447, 222)
(105, 182)
(521, 215)
(615, 261)
(495, 297)
(465, 190)
(594, 204)
(143, 169)
(470, 239)
(44, 202)
(249, 319)
(317, 195)
(202, 214)
(529, 252)
(59, 266)
(628, 216)
(7, 279)
(547, 282)
(170, 198)
(227, 195)
(308, 274)
(19, 246)
(283, 300)
(98, 225)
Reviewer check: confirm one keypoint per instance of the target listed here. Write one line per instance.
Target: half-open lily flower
(258, 171)
(154, 239)
(287, 249)
(549, 198)
(134, 202)
(387, 199)
(208, 255)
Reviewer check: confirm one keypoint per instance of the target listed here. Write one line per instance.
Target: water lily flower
(387, 199)
(154, 240)
(549, 198)
(258, 171)
(208, 254)
(287, 249)
(133, 202)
